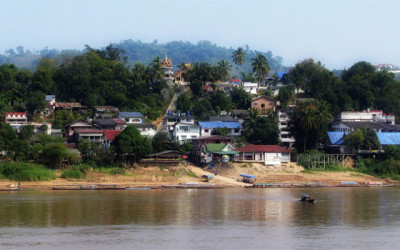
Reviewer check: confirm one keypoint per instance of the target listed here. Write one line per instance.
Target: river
(232, 218)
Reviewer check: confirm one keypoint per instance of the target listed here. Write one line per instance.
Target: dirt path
(218, 179)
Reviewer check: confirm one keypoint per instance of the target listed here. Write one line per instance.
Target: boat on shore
(89, 187)
(192, 186)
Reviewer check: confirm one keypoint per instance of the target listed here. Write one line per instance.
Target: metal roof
(218, 124)
(336, 138)
(130, 114)
(248, 176)
(387, 138)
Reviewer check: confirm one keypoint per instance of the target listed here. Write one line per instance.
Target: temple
(167, 67)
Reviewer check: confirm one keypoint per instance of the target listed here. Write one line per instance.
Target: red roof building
(16, 118)
(109, 137)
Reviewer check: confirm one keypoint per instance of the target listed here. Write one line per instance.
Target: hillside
(137, 51)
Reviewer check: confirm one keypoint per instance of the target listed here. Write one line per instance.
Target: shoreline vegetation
(82, 177)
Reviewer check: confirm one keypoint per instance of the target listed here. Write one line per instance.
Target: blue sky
(338, 33)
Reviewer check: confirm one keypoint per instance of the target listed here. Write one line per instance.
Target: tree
(307, 123)
(7, 136)
(221, 131)
(262, 130)
(160, 142)
(355, 139)
(224, 67)
(260, 67)
(285, 94)
(196, 87)
(55, 154)
(240, 98)
(184, 103)
(131, 145)
(239, 56)
(36, 101)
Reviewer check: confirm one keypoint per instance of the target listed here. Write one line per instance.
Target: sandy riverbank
(226, 176)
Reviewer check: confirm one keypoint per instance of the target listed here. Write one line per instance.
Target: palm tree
(239, 57)
(224, 67)
(251, 121)
(260, 67)
(309, 122)
(157, 71)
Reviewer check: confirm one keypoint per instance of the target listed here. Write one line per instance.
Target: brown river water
(232, 218)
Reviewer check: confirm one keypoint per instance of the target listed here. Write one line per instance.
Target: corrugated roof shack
(163, 158)
(266, 154)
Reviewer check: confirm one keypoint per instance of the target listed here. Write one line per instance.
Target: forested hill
(137, 51)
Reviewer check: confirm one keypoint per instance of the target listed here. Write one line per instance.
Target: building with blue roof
(206, 128)
(131, 117)
(387, 138)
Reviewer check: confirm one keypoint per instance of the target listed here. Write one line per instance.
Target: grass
(24, 171)
(184, 172)
(76, 171)
(329, 168)
(112, 171)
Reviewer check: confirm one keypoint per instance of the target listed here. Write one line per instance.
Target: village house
(16, 118)
(263, 103)
(217, 152)
(348, 121)
(235, 128)
(199, 142)
(74, 107)
(104, 112)
(182, 132)
(250, 87)
(109, 137)
(80, 124)
(171, 119)
(131, 117)
(273, 155)
(91, 135)
(146, 129)
(50, 102)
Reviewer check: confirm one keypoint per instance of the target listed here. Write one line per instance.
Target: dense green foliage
(22, 171)
(130, 145)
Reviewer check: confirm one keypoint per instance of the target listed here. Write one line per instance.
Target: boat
(89, 187)
(193, 186)
(138, 188)
(307, 198)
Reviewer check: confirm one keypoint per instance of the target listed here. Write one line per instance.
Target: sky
(338, 33)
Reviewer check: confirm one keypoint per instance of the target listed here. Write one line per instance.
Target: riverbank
(225, 175)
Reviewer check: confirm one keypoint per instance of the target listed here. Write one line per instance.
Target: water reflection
(356, 207)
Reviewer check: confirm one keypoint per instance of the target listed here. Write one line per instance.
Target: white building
(286, 138)
(235, 128)
(185, 131)
(250, 87)
(131, 117)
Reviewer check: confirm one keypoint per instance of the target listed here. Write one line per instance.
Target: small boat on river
(307, 198)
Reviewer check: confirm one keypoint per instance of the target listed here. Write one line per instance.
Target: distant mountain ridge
(137, 51)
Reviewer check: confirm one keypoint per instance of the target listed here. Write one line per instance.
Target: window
(262, 105)
(205, 130)
(184, 128)
(236, 131)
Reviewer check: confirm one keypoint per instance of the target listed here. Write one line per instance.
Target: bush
(22, 171)
(72, 173)
(77, 171)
